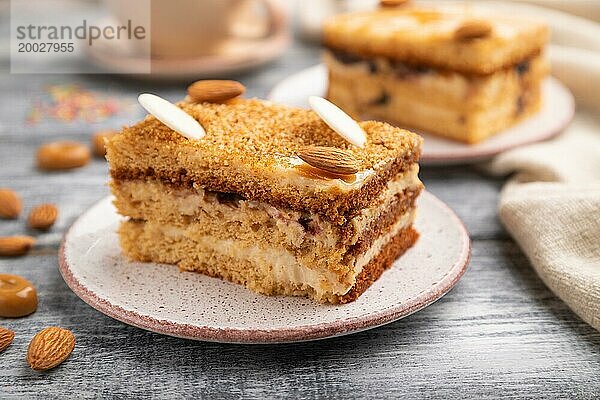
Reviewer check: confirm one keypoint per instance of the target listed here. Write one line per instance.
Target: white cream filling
(410, 179)
(283, 266)
(378, 244)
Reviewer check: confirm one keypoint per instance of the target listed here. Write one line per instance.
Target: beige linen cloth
(551, 205)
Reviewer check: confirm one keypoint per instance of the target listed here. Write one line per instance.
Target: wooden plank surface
(499, 333)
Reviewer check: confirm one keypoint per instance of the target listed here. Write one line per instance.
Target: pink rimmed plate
(557, 111)
(161, 299)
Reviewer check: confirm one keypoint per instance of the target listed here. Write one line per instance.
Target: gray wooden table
(499, 333)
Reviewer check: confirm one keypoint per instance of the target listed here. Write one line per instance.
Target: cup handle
(276, 17)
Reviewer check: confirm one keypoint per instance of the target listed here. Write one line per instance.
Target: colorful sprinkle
(72, 102)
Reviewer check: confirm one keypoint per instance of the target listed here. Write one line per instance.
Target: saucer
(235, 55)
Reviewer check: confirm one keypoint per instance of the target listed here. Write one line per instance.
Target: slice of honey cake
(444, 69)
(270, 197)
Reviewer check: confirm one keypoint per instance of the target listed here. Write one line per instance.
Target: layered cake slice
(446, 71)
(270, 197)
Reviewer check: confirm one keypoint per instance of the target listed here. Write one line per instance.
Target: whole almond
(98, 139)
(50, 347)
(62, 155)
(392, 3)
(43, 216)
(473, 29)
(12, 246)
(6, 338)
(330, 159)
(10, 204)
(215, 91)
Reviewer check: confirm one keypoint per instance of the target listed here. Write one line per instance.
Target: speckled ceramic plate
(557, 110)
(161, 299)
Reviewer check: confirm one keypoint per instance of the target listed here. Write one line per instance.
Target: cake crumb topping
(260, 133)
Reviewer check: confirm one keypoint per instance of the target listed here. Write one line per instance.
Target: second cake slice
(444, 70)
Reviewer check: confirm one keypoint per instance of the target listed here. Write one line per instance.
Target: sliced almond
(392, 3)
(330, 159)
(473, 29)
(43, 216)
(215, 91)
(13, 246)
(10, 204)
(338, 120)
(6, 338)
(172, 116)
(98, 142)
(49, 348)
(62, 155)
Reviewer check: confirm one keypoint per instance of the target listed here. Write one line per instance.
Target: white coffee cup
(191, 28)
